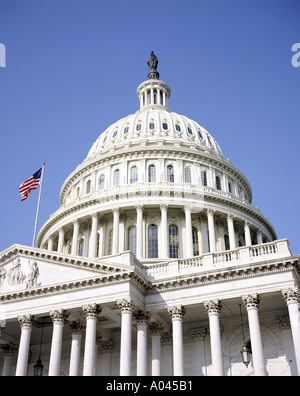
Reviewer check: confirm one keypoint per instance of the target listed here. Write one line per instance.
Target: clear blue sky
(73, 66)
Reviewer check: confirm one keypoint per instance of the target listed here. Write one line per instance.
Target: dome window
(88, 187)
(177, 127)
(117, 177)
(190, 130)
(173, 241)
(187, 175)
(151, 174)
(138, 127)
(104, 140)
(165, 126)
(151, 125)
(133, 175)
(132, 239)
(101, 182)
(170, 174)
(126, 129)
(115, 134)
(152, 241)
(218, 183)
(204, 178)
(200, 135)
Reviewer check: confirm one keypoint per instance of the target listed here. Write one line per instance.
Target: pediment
(23, 269)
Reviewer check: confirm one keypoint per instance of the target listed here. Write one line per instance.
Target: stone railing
(242, 255)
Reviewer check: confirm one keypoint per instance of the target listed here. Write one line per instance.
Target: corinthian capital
(291, 295)
(142, 316)
(59, 316)
(125, 305)
(91, 311)
(251, 301)
(213, 306)
(176, 312)
(26, 321)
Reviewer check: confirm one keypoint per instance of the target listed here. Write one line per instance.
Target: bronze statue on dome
(152, 64)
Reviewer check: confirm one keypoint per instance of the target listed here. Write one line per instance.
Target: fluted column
(176, 313)
(125, 307)
(251, 303)
(94, 236)
(75, 238)
(213, 309)
(26, 322)
(91, 312)
(115, 242)
(188, 232)
(292, 298)
(77, 328)
(156, 329)
(142, 318)
(247, 234)
(139, 231)
(232, 242)
(164, 231)
(211, 230)
(61, 237)
(58, 318)
(9, 351)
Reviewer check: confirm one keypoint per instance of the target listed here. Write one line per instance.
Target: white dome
(154, 122)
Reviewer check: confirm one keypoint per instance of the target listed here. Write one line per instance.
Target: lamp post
(38, 367)
(246, 348)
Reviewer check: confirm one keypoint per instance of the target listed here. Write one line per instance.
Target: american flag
(31, 183)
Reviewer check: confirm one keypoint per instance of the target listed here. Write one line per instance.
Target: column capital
(59, 316)
(251, 301)
(199, 333)
(187, 207)
(116, 210)
(107, 346)
(26, 321)
(139, 207)
(125, 305)
(176, 312)
(77, 326)
(94, 215)
(291, 295)
(156, 328)
(142, 317)
(91, 311)
(213, 306)
(9, 349)
(210, 212)
(163, 206)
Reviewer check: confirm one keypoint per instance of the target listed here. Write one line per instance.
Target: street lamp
(38, 367)
(246, 348)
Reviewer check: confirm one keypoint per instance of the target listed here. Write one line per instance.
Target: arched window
(152, 241)
(170, 174)
(204, 178)
(187, 175)
(101, 182)
(229, 187)
(88, 186)
(152, 173)
(195, 241)
(132, 239)
(116, 177)
(133, 175)
(173, 241)
(226, 240)
(80, 247)
(218, 183)
(77, 192)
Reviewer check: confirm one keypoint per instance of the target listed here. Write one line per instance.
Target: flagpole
(38, 205)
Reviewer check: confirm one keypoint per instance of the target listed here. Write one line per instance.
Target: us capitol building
(155, 264)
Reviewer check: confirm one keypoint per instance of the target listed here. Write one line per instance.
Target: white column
(251, 303)
(156, 329)
(213, 309)
(106, 348)
(176, 314)
(26, 327)
(199, 335)
(91, 312)
(75, 238)
(76, 327)
(188, 232)
(142, 361)
(231, 232)
(247, 234)
(259, 237)
(125, 307)
(292, 298)
(58, 318)
(50, 243)
(139, 231)
(9, 351)
(211, 230)
(94, 236)
(61, 238)
(164, 232)
(115, 242)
